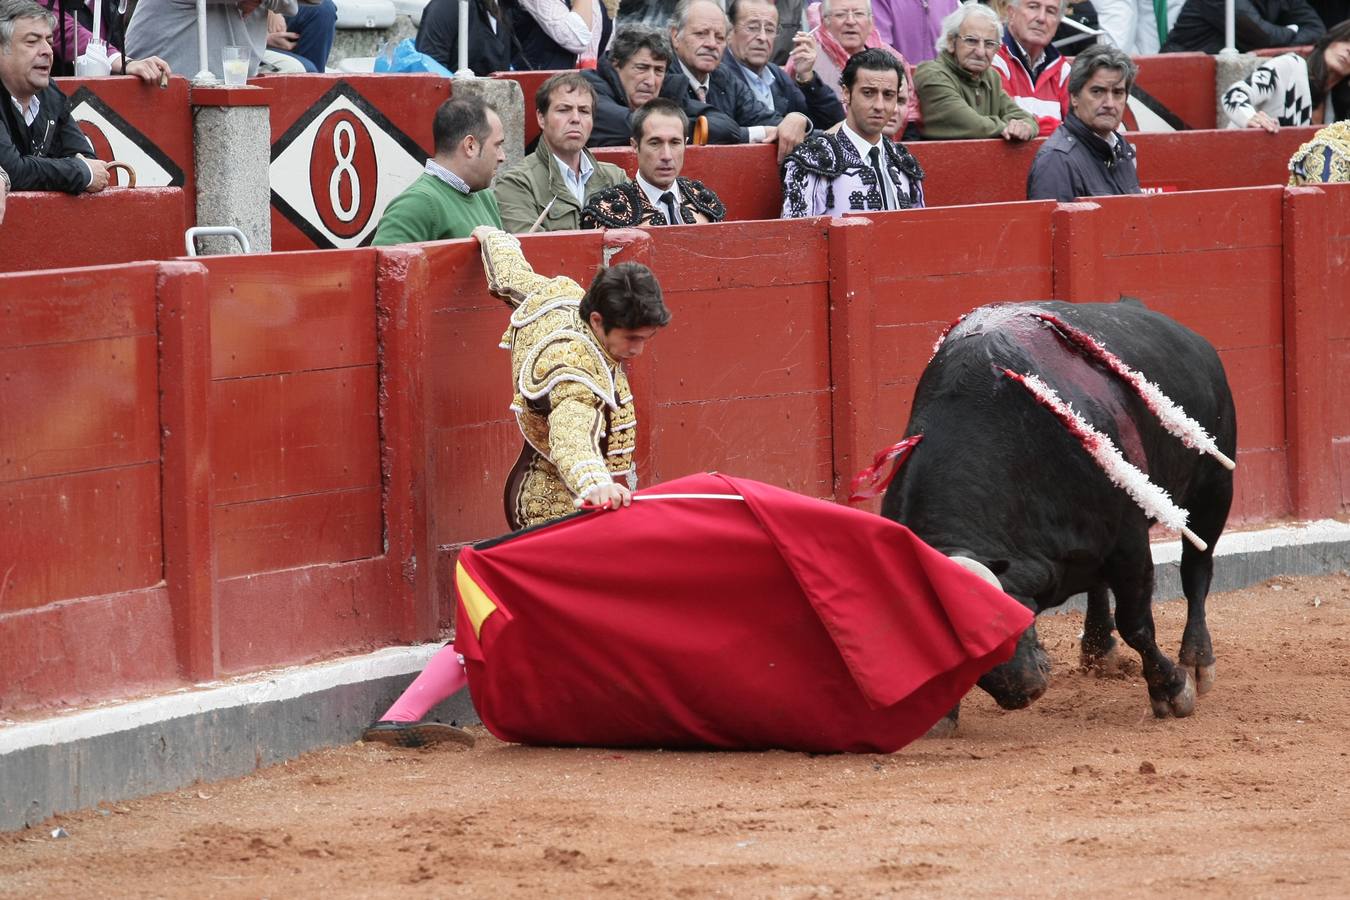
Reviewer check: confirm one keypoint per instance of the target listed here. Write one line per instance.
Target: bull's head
(1021, 680)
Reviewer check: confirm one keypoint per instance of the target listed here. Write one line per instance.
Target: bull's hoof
(1105, 665)
(1204, 679)
(943, 728)
(1181, 704)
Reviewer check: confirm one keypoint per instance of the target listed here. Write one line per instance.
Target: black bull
(998, 478)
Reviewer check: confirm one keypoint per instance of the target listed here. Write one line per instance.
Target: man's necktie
(669, 200)
(875, 154)
(702, 92)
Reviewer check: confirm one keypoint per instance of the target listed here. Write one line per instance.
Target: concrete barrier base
(213, 731)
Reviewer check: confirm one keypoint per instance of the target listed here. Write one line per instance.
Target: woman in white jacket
(1289, 90)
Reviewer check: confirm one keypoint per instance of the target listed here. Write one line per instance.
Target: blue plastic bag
(407, 58)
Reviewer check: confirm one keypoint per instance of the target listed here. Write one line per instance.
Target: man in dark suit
(489, 35)
(749, 49)
(699, 35)
(41, 146)
(636, 70)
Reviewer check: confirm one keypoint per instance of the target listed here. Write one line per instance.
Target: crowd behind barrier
(187, 441)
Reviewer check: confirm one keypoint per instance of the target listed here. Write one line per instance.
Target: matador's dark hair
(626, 295)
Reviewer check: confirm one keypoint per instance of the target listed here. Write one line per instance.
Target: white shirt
(567, 29)
(576, 181)
(890, 189)
(654, 197)
(754, 133)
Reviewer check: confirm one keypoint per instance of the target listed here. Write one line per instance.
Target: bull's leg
(1098, 649)
(945, 727)
(1197, 570)
(1171, 690)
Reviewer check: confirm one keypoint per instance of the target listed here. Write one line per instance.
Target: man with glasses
(960, 94)
(1033, 71)
(753, 26)
(699, 35)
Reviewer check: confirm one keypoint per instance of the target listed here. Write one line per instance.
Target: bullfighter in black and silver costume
(626, 206)
(826, 175)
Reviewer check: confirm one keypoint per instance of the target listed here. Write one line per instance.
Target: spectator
(912, 26)
(73, 34)
(1138, 26)
(844, 28)
(168, 29)
(753, 26)
(561, 174)
(1070, 40)
(660, 13)
(558, 34)
(637, 69)
(699, 35)
(1259, 24)
(857, 169)
(1325, 159)
(960, 95)
(489, 35)
(575, 412)
(1033, 71)
(1086, 157)
(1332, 12)
(306, 37)
(450, 198)
(1289, 90)
(41, 147)
(660, 196)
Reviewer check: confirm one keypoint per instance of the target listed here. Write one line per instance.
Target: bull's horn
(978, 568)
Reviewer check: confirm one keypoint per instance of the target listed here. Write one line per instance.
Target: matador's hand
(608, 496)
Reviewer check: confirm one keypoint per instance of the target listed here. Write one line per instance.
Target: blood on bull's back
(1002, 478)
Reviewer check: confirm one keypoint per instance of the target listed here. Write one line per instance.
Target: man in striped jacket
(1034, 73)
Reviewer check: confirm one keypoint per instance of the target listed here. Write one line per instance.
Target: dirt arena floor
(1083, 795)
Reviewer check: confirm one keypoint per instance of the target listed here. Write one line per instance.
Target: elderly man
(450, 199)
(1258, 24)
(1033, 71)
(546, 190)
(636, 70)
(660, 195)
(41, 147)
(699, 35)
(858, 169)
(959, 92)
(1086, 157)
(753, 25)
(168, 29)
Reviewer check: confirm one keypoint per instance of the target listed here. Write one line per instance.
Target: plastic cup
(234, 60)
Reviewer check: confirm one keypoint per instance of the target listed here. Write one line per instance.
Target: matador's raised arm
(509, 275)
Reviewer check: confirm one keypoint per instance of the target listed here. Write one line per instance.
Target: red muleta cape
(778, 621)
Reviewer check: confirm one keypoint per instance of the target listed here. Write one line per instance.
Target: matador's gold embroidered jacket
(572, 400)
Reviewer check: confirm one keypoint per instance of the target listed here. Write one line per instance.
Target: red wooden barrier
(80, 487)
(1335, 324)
(1183, 84)
(745, 176)
(54, 231)
(342, 148)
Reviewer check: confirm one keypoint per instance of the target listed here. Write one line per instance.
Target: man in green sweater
(450, 199)
(960, 93)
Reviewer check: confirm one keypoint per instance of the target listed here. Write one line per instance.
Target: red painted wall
(1183, 83)
(237, 462)
(118, 225)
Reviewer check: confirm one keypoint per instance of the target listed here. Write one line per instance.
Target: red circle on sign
(102, 147)
(343, 174)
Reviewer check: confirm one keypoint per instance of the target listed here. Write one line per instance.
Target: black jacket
(45, 155)
(535, 50)
(1075, 162)
(814, 99)
(438, 37)
(728, 92)
(612, 128)
(1258, 24)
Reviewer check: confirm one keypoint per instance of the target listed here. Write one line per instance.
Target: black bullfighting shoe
(416, 734)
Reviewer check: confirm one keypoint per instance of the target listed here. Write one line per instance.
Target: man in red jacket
(1034, 73)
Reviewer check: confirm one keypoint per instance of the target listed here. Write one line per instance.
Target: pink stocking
(441, 679)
